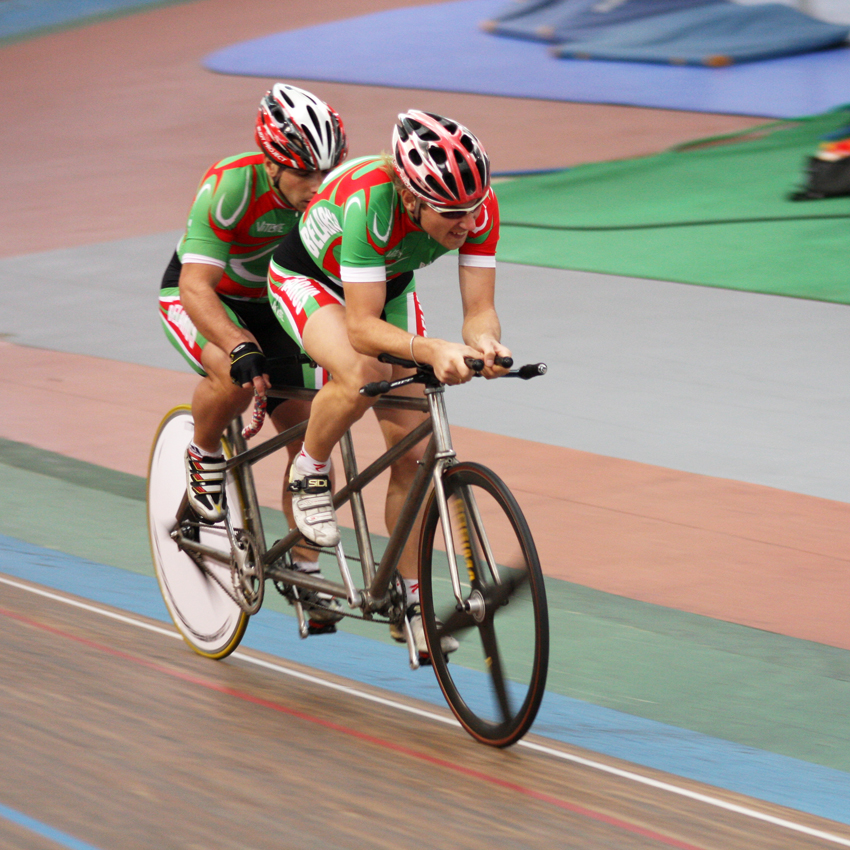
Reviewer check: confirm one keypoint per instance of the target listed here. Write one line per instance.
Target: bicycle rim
(207, 618)
(495, 680)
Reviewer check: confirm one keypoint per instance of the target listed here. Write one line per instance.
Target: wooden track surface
(122, 738)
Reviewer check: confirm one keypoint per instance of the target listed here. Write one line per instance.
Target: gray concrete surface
(730, 384)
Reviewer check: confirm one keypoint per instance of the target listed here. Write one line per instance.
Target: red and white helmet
(440, 161)
(297, 130)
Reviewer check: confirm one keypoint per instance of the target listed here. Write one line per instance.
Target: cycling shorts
(255, 315)
(294, 298)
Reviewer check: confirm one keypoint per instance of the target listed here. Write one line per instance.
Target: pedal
(315, 628)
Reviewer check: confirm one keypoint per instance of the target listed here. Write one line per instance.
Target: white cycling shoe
(312, 507)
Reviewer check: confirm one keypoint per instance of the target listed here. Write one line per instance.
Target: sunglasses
(457, 214)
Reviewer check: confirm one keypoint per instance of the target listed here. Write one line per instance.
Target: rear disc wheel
(199, 598)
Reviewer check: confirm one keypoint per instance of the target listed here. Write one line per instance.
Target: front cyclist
(213, 301)
(342, 286)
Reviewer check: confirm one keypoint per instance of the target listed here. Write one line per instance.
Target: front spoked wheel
(495, 680)
(205, 596)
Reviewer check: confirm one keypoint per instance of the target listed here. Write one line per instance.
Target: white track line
(530, 745)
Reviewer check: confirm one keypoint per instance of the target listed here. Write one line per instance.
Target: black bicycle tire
(510, 730)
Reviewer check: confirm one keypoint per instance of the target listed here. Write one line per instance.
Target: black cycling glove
(246, 363)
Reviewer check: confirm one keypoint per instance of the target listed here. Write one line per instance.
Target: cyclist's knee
(408, 464)
(364, 371)
(238, 397)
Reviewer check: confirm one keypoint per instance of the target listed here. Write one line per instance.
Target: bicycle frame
(373, 597)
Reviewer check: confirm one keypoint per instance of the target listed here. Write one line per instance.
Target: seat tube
(358, 511)
(444, 456)
(245, 475)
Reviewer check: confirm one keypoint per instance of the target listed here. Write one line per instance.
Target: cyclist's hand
(450, 365)
(248, 368)
(490, 349)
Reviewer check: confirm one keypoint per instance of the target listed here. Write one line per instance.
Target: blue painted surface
(43, 830)
(766, 776)
(450, 52)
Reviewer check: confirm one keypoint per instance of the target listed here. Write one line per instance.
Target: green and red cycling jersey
(356, 229)
(235, 223)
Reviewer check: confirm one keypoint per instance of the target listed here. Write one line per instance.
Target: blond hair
(388, 166)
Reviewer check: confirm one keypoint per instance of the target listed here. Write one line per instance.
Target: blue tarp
(563, 20)
(453, 54)
(683, 32)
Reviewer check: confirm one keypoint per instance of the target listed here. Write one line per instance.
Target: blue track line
(43, 830)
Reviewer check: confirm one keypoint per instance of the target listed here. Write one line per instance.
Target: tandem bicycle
(479, 574)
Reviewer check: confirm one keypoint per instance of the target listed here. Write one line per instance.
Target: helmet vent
(465, 173)
(424, 133)
(437, 189)
(276, 111)
(437, 154)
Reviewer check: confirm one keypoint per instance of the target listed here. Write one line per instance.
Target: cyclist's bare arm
(481, 327)
(198, 296)
(369, 334)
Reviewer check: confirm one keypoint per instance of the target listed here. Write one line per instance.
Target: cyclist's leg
(314, 316)
(405, 312)
(284, 370)
(339, 405)
(214, 404)
(216, 399)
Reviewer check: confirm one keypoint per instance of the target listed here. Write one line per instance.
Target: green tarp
(714, 212)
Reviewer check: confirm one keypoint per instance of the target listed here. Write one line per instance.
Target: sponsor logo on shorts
(179, 318)
(299, 290)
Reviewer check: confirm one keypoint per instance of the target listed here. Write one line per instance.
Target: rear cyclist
(342, 286)
(213, 301)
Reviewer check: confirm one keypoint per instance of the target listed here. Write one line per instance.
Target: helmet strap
(275, 181)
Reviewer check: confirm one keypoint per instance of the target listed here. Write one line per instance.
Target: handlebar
(425, 373)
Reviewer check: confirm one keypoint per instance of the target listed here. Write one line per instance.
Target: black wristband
(246, 363)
